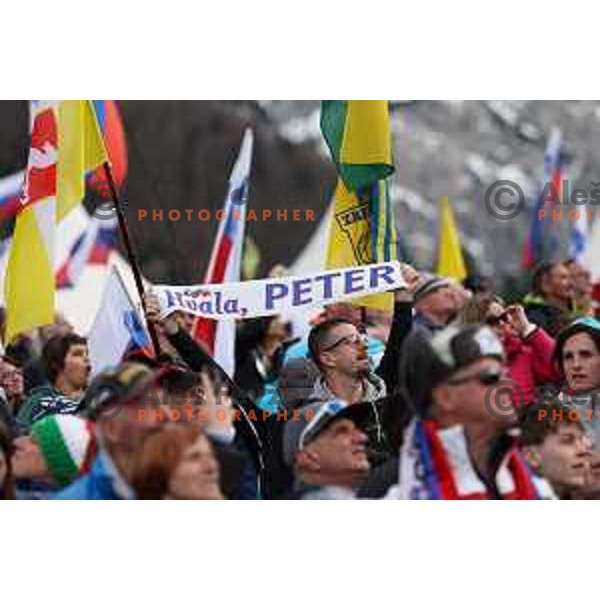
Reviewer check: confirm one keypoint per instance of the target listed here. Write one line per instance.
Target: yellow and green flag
(451, 262)
(358, 135)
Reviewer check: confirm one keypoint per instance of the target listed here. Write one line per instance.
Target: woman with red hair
(177, 463)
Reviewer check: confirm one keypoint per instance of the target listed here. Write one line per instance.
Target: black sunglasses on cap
(484, 377)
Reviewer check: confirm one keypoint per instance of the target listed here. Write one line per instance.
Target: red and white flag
(226, 258)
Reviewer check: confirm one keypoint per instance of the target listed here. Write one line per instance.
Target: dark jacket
(381, 479)
(6, 415)
(550, 318)
(258, 434)
(251, 373)
(402, 322)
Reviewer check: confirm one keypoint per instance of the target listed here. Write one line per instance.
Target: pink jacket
(530, 364)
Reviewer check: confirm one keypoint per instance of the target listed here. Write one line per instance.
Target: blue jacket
(101, 483)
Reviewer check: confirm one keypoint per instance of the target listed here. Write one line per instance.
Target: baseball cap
(126, 383)
(315, 418)
(430, 359)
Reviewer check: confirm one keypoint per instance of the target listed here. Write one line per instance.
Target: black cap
(127, 382)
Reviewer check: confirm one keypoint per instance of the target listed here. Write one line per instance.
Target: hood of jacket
(373, 389)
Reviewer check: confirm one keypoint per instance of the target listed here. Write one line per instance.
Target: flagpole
(131, 256)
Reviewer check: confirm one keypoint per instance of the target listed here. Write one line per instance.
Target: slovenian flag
(93, 246)
(540, 243)
(226, 259)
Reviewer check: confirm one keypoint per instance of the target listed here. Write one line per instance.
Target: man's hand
(153, 311)
(412, 278)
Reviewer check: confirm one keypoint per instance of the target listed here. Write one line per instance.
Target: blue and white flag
(118, 328)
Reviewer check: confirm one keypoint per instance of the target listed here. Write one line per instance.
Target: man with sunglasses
(458, 445)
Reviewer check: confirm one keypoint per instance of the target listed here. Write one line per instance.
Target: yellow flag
(66, 145)
(350, 241)
(80, 150)
(30, 282)
(366, 139)
(451, 262)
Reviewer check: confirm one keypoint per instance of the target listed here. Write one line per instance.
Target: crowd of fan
(456, 395)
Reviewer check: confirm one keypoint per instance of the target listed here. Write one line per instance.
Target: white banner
(264, 297)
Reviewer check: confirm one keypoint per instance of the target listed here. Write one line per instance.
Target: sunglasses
(483, 377)
(354, 339)
(496, 320)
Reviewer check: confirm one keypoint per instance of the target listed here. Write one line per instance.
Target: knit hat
(67, 445)
(430, 359)
(429, 284)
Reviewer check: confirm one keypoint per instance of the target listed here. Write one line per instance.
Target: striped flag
(226, 258)
(362, 229)
(92, 246)
(113, 132)
(541, 242)
(65, 144)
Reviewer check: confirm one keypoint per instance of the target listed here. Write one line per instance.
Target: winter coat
(103, 482)
(530, 364)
